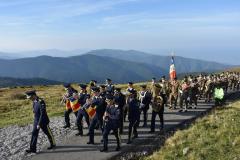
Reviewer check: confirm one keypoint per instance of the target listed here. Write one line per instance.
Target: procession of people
(106, 107)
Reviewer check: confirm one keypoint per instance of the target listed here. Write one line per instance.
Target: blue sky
(205, 29)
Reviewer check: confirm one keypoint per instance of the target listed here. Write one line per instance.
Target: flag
(172, 72)
(75, 105)
(91, 111)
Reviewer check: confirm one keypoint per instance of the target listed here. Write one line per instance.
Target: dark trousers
(81, 113)
(193, 99)
(66, 116)
(106, 132)
(97, 120)
(121, 121)
(160, 115)
(184, 97)
(46, 130)
(144, 110)
(132, 127)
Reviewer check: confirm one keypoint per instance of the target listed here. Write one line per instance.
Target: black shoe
(135, 136)
(51, 147)
(66, 126)
(118, 149)
(30, 151)
(79, 134)
(180, 110)
(104, 150)
(151, 131)
(90, 142)
(129, 142)
(144, 125)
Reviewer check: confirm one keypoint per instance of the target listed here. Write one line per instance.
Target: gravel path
(14, 140)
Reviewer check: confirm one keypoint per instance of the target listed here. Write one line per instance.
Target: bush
(18, 96)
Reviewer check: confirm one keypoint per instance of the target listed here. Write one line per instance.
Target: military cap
(83, 86)
(30, 93)
(131, 83)
(154, 78)
(95, 89)
(108, 79)
(66, 85)
(143, 86)
(109, 97)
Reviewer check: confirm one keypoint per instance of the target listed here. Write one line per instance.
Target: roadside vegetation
(214, 137)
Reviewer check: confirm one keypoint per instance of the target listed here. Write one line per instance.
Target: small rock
(185, 151)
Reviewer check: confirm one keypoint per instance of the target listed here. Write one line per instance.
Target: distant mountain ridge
(12, 82)
(183, 65)
(121, 66)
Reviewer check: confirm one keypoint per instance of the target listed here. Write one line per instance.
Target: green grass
(16, 110)
(214, 137)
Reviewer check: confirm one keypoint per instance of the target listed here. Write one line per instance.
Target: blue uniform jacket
(40, 114)
(134, 111)
(114, 116)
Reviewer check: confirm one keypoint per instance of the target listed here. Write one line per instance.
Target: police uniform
(41, 120)
(68, 110)
(83, 96)
(120, 100)
(133, 115)
(111, 122)
(100, 106)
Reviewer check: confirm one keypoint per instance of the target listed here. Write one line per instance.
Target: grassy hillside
(214, 137)
(15, 109)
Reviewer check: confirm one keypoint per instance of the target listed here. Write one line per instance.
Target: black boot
(30, 151)
(51, 147)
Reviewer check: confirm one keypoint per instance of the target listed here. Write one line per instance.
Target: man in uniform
(133, 115)
(83, 96)
(109, 86)
(174, 85)
(129, 88)
(184, 93)
(120, 100)
(66, 98)
(111, 122)
(41, 120)
(145, 98)
(193, 92)
(164, 89)
(99, 104)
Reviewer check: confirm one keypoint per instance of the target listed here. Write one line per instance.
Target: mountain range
(121, 66)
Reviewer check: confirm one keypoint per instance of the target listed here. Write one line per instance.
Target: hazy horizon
(207, 30)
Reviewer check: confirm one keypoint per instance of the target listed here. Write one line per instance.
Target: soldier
(164, 89)
(193, 91)
(129, 88)
(99, 104)
(184, 94)
(209, 89)
(109, 86)
(66, 98)
(120, 100)
(41, 120)
(111, 122)
(157, 109)
(174, 93)
(83, 96)
(145, 99)
(133, 115)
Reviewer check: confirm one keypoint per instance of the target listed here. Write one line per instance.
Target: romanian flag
(91, 111)
(172, 72)
(75, 105)
(68, 105)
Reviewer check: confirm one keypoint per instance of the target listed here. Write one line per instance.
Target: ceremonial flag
(75, 105)
(172, 72)
(91, 111)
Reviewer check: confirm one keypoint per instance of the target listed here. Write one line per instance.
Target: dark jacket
(40, 113)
